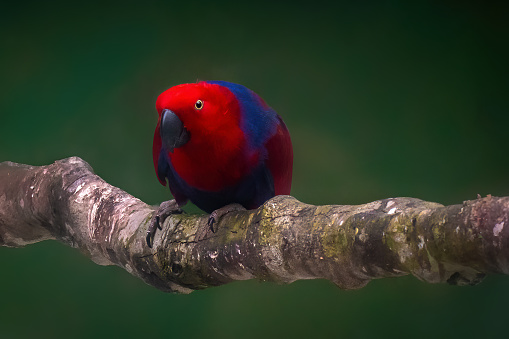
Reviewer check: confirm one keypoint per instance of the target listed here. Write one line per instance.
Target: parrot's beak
(172, 130)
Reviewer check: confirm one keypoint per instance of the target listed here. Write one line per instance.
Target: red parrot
(219, 145)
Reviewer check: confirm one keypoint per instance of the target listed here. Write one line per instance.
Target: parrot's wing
(280, 159)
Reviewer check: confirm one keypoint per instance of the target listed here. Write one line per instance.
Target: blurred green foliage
(382, 98)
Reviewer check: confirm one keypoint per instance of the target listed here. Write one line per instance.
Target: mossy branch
(284, 240)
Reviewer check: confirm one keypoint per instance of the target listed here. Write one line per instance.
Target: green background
(382, 98)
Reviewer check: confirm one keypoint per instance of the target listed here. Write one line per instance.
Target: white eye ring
(198, 104)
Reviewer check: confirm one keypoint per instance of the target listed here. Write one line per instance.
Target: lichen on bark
(284, 240)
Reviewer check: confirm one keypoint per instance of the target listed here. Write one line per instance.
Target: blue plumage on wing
(258, 121)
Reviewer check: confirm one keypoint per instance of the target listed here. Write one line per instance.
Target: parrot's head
(195, 114)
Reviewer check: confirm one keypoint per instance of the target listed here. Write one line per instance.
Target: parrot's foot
(220, 212)
(164, 211)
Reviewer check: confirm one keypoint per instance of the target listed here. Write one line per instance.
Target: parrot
(220, 146)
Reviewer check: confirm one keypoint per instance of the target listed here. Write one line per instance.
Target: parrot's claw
(166, 209)
(220, 212)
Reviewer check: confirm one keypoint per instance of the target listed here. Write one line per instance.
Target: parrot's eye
(199, 104)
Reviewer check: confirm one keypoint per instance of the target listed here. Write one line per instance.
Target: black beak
(173, 133)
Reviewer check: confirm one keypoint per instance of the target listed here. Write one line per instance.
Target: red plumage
(280, 159)
(237, 149)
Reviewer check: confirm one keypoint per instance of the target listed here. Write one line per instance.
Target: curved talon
(221, 212)
(166, 209)
(149, 239)
(211, 222)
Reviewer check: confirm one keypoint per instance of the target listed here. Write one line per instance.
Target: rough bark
(284, 240)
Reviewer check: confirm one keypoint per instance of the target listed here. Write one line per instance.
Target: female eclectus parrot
(219, 145)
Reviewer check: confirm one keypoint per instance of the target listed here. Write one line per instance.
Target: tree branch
(284, 240)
